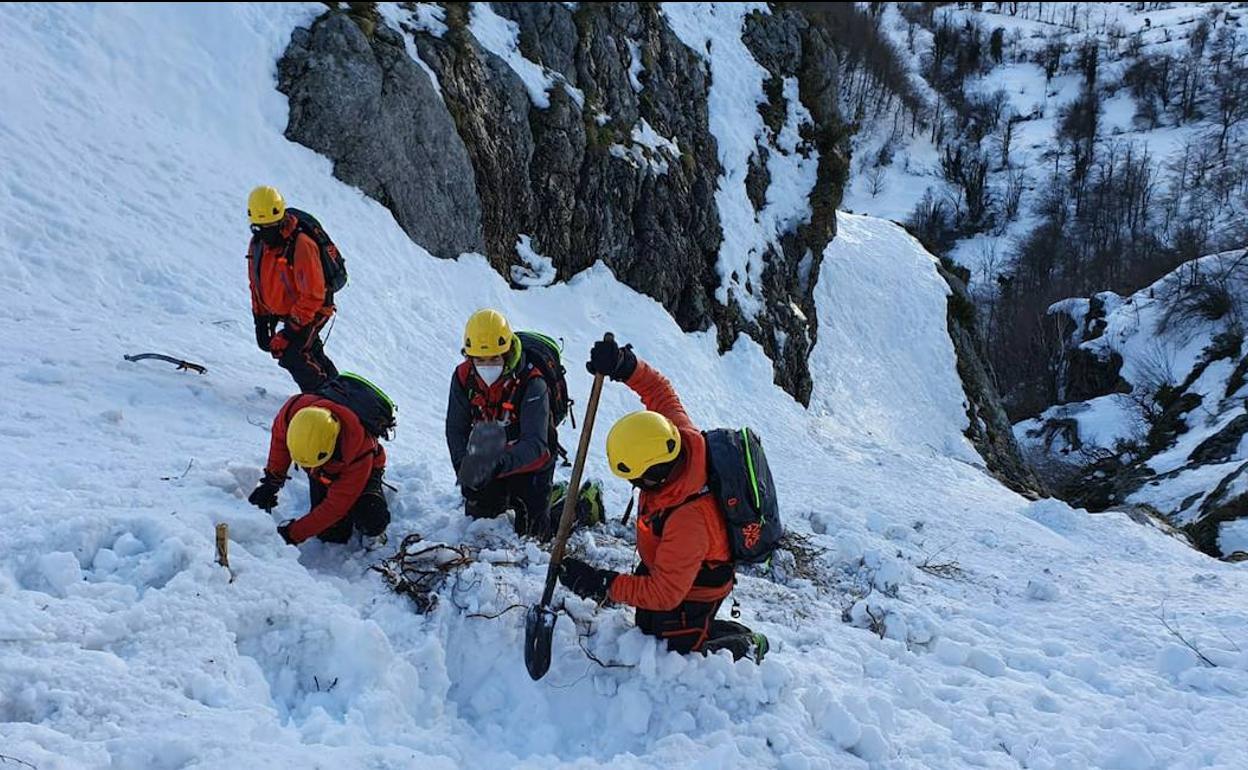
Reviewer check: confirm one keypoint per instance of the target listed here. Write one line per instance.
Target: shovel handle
(569, 502)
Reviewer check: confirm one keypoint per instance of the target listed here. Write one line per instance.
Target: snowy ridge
(122, 645)
(1159, 348)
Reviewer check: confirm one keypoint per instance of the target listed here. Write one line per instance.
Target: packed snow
(501, 37)
(926, 617)
(649, 149)
(534, 269)
(420, 17)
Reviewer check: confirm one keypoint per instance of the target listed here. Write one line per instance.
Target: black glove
(283, 529)
(584, 580)
(610, 360)
(477, 471)
(486, 446)
(265, 324)
(265, 494)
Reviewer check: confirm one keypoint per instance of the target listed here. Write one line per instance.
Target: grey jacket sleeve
(458, 423)
(530, 452)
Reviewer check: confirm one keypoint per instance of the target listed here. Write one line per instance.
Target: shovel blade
(539, 630)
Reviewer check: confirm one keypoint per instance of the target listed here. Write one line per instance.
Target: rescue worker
(287, 288)
(498, 428)
(686, 570)
(344, 464)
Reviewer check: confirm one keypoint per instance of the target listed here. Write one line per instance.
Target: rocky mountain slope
(1153, 403)
(548, 138)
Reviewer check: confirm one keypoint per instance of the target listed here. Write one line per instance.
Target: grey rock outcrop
(367, 106)
(989, 430)
(479, 165)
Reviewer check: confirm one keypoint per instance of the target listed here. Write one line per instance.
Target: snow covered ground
(893, 190)
(1154, 354)
(1010, 633)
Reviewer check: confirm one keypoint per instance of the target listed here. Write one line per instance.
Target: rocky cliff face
(368, 106)
(989, 428)
(1153, 412)
(523, 129)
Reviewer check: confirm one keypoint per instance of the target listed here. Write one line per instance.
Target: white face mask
(490, 374)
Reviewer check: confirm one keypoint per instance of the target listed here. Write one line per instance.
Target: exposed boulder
(368, 107)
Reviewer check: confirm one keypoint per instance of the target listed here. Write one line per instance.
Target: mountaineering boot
(558, 491)
(737, 639)
(589, 511)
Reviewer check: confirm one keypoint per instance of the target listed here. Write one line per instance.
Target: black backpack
(740, 479)
(544, 353)
(332, 263)
(369, 402)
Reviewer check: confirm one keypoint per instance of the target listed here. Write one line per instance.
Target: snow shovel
(539, 621)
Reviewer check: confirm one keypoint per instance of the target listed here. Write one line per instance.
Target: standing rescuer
(288, 288)
(686, 568)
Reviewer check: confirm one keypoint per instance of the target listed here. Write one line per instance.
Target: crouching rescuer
(333, 434)
(706, 502)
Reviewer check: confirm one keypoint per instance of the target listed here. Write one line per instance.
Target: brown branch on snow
(1177, 635)
(949, 570)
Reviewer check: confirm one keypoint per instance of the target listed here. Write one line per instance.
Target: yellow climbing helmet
(312, 436)
(265, 206)
(487, 333)
(640, 441)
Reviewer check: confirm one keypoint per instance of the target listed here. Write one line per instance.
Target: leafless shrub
(876, 180)
(1197, 295)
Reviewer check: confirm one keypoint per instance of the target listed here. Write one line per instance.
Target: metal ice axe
(539, 621)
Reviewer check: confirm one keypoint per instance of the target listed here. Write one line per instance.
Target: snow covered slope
(899, 161)
(932, 618)
(1172, 433)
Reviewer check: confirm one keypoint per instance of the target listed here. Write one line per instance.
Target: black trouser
(370, 514)
(305, 357)
(528, 494)
(686, 628)
(692, 627)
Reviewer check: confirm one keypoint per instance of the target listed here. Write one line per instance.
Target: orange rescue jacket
(346, 473)
(691, 535)
(287, 282)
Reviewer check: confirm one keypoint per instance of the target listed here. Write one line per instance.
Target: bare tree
(1231, 90)
(1015, 183)
(876, 180)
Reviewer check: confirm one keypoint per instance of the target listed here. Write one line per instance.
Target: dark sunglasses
(257, 229)
(654, 477)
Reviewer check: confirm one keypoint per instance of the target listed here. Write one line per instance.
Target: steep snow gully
(931, 618)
